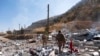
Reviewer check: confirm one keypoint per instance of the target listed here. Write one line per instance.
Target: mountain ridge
(85, 10)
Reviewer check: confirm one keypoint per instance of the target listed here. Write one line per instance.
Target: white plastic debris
(95, 53)
(65, 50)
(84, 40)
(52, 53)
(97, 35)
(1, 53)
(91, 50)
(85, 55)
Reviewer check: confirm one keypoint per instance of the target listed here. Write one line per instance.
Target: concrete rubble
(23, 47)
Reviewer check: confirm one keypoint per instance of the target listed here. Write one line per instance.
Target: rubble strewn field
(21, 48)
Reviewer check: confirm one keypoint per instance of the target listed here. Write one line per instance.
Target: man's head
(59, 31)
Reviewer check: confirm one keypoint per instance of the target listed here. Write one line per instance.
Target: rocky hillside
(85, 14)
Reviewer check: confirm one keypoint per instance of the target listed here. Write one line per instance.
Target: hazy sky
(24, 12)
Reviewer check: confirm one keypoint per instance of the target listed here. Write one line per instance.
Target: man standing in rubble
(44, 40)
(60, 40)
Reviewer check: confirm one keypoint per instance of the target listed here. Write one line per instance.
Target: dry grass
(78, 25)
(9, 36)
(41, 29)
(2, 34)
(56, 26)
(73, 26)
(20, 36)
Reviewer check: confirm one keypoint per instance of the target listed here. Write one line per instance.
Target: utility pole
(48, 19)
(19, 26)
(24, 26)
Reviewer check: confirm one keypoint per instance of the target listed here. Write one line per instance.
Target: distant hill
(85, 14)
